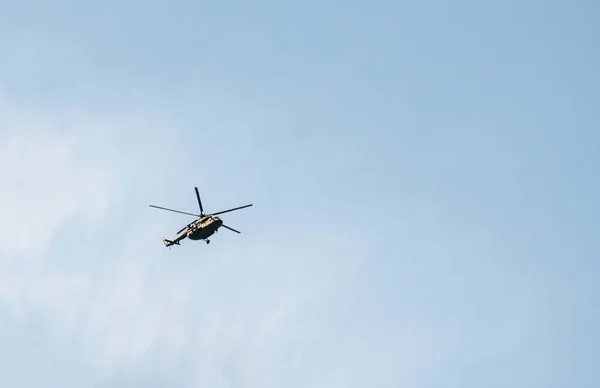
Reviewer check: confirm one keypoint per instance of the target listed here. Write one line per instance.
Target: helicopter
(201, 229)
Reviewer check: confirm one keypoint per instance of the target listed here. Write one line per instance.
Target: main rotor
(202, 211)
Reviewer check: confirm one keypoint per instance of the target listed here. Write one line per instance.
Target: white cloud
(65, 181)
(82, 257)
(43, 189)
(236, 319)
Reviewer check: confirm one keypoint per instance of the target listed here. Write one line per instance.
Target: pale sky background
(424, 178)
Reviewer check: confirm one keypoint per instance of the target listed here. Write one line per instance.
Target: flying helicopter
(201, 229)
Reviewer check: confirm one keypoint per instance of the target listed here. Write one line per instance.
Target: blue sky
(424, 181)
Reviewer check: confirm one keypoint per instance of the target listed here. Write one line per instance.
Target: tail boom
(168, 242)
(176, 241)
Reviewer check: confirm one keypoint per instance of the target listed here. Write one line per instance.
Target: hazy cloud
(241, 318)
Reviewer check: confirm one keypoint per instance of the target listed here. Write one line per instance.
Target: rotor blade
(199, 202)
(230, 210)
(176, 211)
(225, 226)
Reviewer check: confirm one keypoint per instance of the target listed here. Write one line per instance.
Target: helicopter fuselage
(203, 228)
